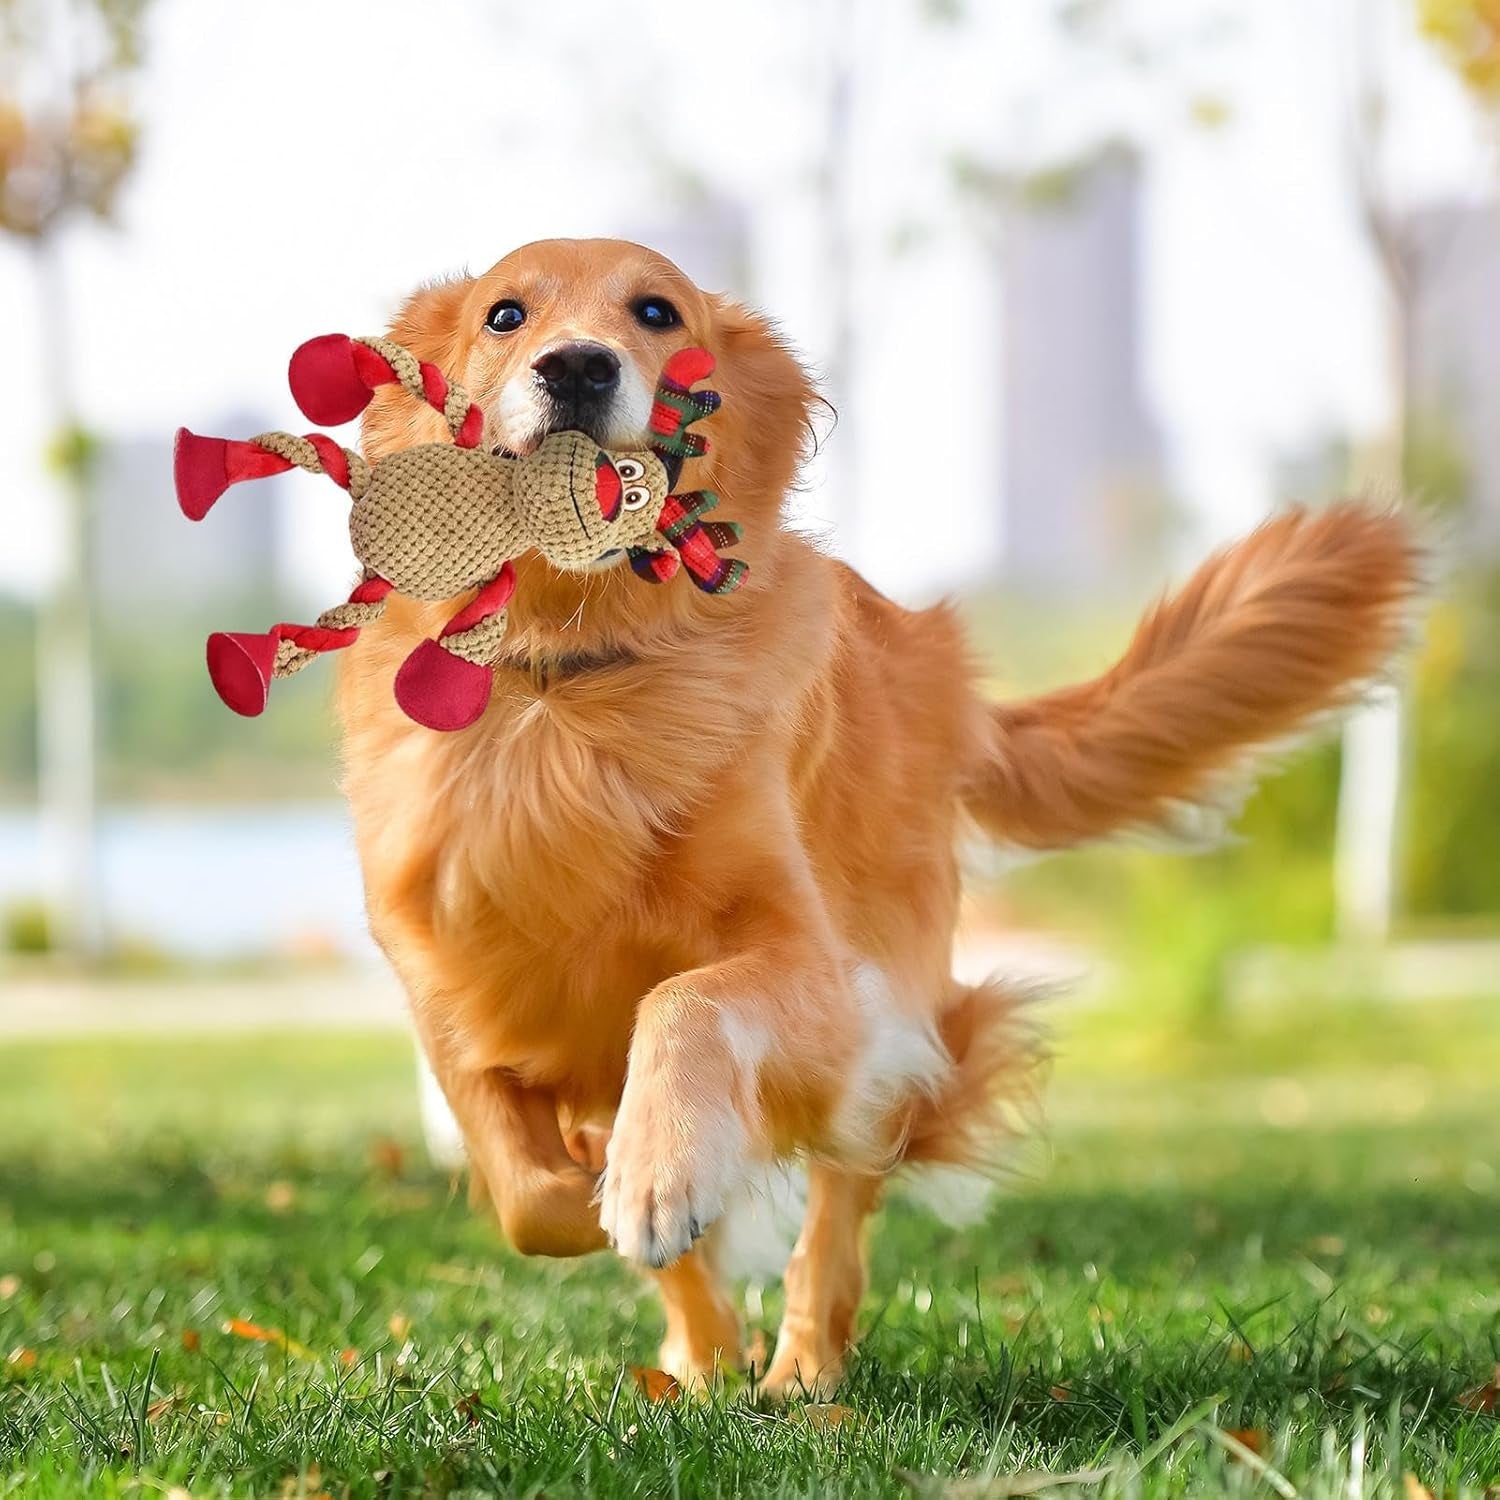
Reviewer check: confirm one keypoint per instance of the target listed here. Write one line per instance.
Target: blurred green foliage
(26, 928)
(1452, 864)
(163, 734)
(17, 699)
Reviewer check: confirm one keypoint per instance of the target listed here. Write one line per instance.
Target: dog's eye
(635, 497)
(629, 469)
(505, 317)
(656, 312)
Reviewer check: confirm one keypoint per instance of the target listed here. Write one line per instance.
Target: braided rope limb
(395, 362)
(318, 454)
(334, 629)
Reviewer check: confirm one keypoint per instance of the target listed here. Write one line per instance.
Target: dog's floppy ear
(430, 324)
(768, 399)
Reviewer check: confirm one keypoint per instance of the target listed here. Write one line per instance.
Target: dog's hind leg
(825, 1281)
(703, 1329)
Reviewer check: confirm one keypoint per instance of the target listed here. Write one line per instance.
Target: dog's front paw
(668, 1171)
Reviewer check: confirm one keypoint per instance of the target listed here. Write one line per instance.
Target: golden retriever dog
(682, 901)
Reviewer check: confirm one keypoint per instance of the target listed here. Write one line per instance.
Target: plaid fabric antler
(693, 540)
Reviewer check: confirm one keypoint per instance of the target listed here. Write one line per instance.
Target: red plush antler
(333, 377)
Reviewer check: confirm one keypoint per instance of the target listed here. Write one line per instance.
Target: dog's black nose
(578, 370)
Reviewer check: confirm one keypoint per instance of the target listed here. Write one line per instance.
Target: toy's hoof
(441, 690)
(241, 667)
(200, 472)
(688, 365)
(325, 380)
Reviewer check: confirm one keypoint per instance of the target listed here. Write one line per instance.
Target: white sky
(303, 165)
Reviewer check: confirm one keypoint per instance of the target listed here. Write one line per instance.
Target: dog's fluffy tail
(1271, 634)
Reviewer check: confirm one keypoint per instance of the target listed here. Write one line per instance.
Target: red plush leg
(440, 690)
(327, 382)
(495, 595)
(240, 667)
(204, 467)
(444, 691)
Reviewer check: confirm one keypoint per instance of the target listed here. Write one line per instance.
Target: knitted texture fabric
(343, 465)
(299, 644)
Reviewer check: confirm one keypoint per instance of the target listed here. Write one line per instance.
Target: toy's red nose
(607, 487)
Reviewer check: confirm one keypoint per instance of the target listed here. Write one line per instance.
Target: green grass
(1291, 1226)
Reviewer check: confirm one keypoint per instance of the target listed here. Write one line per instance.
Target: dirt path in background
(41, 1004)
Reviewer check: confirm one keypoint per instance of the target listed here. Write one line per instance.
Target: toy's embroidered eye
(505, 317)
(656, 312)
(636, 496)
(630, 469)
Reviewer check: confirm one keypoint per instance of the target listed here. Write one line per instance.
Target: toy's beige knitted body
(435, 520)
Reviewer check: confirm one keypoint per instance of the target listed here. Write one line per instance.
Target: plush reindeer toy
(437, 520)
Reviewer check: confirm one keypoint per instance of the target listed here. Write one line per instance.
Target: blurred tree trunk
(67, 143)
(1367, 863)
(64, 645)
(837, 168)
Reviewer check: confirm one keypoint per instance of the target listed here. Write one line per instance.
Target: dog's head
(572, 335)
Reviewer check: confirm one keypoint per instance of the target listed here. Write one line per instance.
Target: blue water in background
(214, 881)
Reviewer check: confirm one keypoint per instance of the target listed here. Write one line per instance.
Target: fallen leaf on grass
(281, 1197)
(192, 1340)
(9, 1286)
(304, 1486)
(1241, 1353)
(1060, 1393)
(826, 1415)
(21, 1358)
(1253, 1438)
(1484, 1397)
(470, 1408)
(388, 1157)
(348, 1358)
(164, 1404)
(1413, 1487)
(242, 1329)
(400, 1326)
(655, 1385)
(1236, 1448)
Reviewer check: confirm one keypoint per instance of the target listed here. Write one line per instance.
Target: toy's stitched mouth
(573, 496)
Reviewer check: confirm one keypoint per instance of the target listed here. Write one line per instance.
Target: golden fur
(695, 907)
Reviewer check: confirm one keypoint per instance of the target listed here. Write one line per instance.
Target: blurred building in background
(1455, 354)
(147, 560)
(1082, 456)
